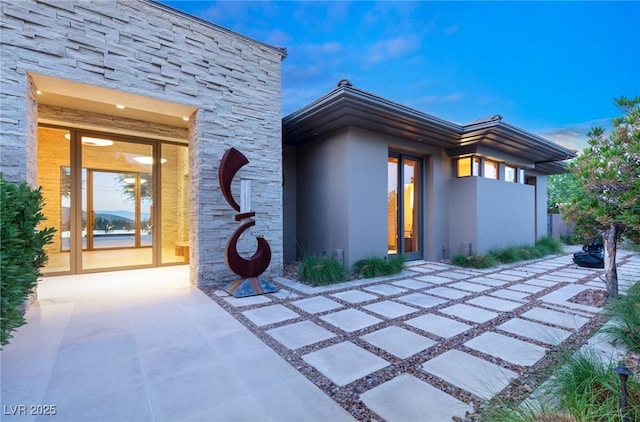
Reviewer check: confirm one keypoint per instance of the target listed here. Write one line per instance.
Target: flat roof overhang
(347, 106)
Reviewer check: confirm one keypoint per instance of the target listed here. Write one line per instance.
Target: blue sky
(552, 68)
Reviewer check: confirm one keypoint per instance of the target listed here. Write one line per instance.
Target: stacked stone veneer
(147, 49)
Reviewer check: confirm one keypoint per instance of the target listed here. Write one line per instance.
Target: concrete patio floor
(144, 345)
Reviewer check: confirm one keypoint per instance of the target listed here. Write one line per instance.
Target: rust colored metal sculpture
(248, 268)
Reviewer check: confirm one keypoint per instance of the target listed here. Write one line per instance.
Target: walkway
(425, 345)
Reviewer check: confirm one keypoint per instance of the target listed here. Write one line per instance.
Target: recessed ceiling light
(148, 160)
(38, 92)
(68, 136)
(96, 142)
(120, 106)
(186, 119)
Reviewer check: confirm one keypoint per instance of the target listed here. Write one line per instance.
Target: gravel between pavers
(348, 396)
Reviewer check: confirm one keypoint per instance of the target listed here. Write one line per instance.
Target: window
(490, 169)
(468, 166)
(464, 167)
(510, 174)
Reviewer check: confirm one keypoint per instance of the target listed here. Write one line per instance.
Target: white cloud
(574, 136)
(392, 49)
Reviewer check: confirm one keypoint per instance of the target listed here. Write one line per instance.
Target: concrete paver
(270, 314)
(495, 303)
(535, 331)
(385, 289)
(300, 334)
(354, 296)
(507, 348)
(390, 309)
(438, 325)
(550, 316)
(398, 341)
(350, 320)
(470, 313)
(406, 398)
(422, 300)
(344, 362)
(475, 375)
(316, 304)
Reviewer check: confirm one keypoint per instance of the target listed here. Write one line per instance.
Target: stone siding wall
(149, 50)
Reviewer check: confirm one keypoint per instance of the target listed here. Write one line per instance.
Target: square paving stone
(470, 287)
(344, 362)
(434, 279)
(350, 320)
(385, 289)
(270, 315)
(398, 341)
(470, 313)
(543, 283)
(390, 309)
(317, 304)
(475, 375)
(507, 348)
(354, 296)
(246, 301)
(454, 275)
(300, 334)
(561, 319)
(447, 292)
(495, 303)
(535, 331)
(488, 281)
(422, 300)
(510, 294)
(528, 288)
(506, 277)
(406, 398)
(412, 284)
(438, 325)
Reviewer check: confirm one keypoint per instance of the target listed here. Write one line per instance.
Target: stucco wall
(323, 196)
(145, 49)
(367, 167)
(505, 215)
(490, 214)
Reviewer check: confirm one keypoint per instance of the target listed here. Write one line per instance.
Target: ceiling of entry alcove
(64, 93)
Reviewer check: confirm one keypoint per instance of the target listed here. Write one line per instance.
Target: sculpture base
(250, 287)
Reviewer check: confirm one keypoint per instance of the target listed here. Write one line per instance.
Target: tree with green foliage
(560, 188)
(608, 172)
(21, 250)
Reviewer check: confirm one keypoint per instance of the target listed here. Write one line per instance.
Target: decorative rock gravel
(374, 338)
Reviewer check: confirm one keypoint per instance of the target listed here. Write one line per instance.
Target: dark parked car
(592, 255)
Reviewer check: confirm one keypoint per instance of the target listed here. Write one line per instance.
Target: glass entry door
(404, 206)
(117, 205)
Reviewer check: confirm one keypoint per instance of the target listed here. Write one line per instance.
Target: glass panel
(476, 166)
(509, 174)
(411, 209)
(117, 201)
(490, 169)
(54, 175)
(464, 167)
(175, 203)
(392, 205)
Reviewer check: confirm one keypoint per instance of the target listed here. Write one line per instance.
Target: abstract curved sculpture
(248, 268)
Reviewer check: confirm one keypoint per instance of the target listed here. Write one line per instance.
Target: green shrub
(322, 271)
(625, 319)
(474, 261)
(549, 246)
(376, 267)
(22, 250)
(589, 389)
